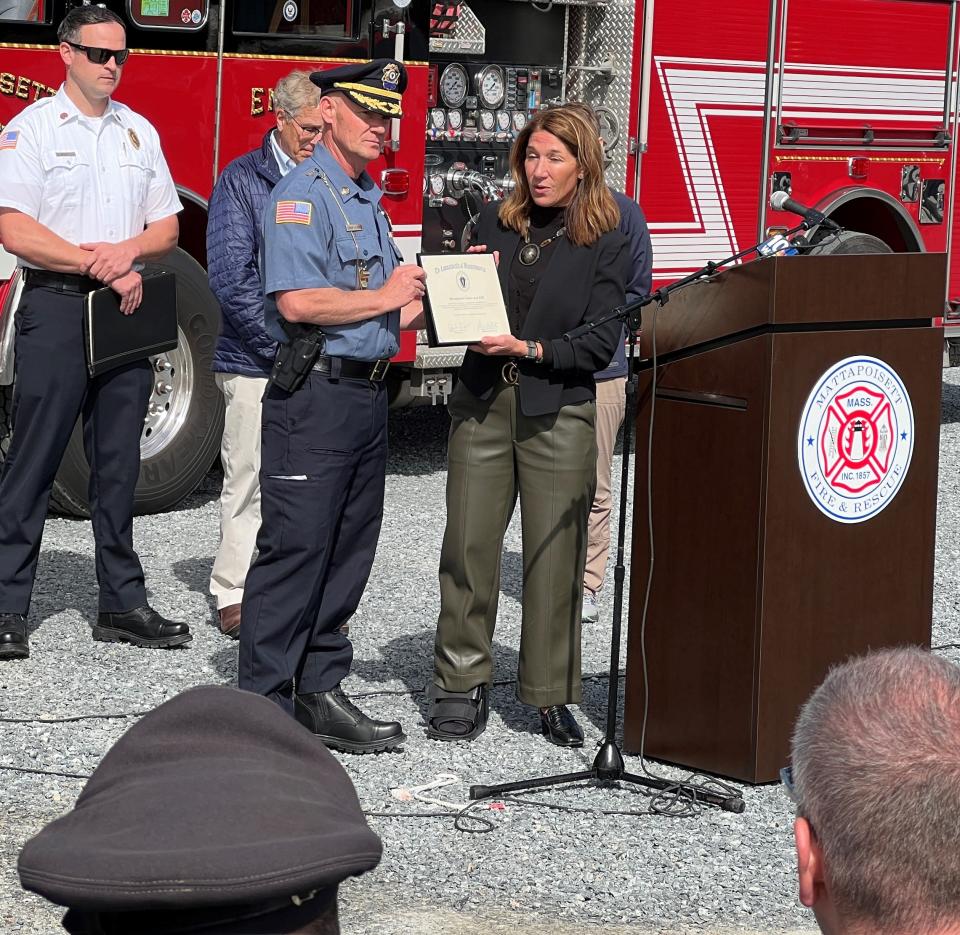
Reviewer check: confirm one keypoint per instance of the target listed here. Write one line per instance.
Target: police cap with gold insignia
(375, 85)
(217, 812)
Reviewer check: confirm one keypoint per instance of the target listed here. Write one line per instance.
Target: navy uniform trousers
(51, 390)
(322, 475)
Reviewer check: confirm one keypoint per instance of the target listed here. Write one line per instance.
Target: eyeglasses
(101, 56)
(306, 131)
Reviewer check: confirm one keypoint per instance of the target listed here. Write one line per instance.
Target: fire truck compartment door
(884, 83)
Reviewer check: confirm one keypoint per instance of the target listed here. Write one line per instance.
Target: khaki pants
(610, 406)
(240, 497)
(495, 455)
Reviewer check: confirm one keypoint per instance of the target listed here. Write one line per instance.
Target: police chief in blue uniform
(330, 268)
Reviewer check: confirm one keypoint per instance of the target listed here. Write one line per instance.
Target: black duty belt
(373, 370)
(62, 282)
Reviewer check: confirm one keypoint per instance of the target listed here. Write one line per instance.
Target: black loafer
(13, 637)
(560, 727)
(142, 626)
(341, 725)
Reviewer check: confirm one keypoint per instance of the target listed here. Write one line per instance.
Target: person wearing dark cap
(336, 293)
(154, 846)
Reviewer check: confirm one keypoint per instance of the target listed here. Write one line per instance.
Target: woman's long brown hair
(592, 211)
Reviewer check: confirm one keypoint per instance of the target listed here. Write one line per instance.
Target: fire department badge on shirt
(856, 439)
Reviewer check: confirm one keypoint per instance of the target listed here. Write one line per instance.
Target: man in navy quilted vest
(245, 351)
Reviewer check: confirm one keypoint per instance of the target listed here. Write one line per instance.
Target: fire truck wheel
(849, 242)
(184, 421)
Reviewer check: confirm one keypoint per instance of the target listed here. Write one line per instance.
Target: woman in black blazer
(523, 425)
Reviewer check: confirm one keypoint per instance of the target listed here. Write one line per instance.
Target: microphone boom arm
(630, 313)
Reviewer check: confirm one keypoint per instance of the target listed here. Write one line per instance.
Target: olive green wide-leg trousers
(495, 455)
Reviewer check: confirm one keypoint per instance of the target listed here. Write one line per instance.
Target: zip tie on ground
(464, 820)
(415, 793)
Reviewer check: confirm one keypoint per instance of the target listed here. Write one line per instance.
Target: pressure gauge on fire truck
(503, 120)
(455, 119)
(436, 184)
(491, 86)
(454, 85)
(438, 119)
(519, 120)
(487, 120)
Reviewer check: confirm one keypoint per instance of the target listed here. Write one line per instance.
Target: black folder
(113, 339)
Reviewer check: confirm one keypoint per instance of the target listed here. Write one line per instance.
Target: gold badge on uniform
(134, 138)
(390, 77)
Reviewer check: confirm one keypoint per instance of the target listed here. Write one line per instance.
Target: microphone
(781, 201)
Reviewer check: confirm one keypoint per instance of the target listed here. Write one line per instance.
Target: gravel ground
(544, 870)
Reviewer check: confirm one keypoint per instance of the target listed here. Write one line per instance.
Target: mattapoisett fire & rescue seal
(856, 439)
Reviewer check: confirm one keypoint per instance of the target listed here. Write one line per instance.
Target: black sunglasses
(101, 56)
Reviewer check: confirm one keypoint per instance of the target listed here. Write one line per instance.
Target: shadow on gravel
(195, 574)
(950, 404)
(511, 574)
(224, 661)
(410, 658)
(594, 704)
(65, 581)
(418, 440)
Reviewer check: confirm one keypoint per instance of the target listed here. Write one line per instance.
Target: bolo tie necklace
(530, 252)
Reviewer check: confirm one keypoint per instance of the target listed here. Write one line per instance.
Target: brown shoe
(230, 621)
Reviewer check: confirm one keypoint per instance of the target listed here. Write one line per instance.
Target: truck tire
(184, 424)
(848, 242)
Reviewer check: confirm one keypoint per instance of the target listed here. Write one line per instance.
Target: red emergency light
(857, 167)
(395, 182)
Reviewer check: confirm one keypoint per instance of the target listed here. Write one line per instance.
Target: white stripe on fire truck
(692, 95)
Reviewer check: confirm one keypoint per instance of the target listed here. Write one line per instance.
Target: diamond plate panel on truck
(439, 358)
(599, 35)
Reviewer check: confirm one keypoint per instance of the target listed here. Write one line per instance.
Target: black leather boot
(142, 626)
(13, 637)
(341, 725)
(560, 727)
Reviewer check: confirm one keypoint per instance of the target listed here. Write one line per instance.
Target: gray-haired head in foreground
(294, 92)
(78, 17)
(876, 764)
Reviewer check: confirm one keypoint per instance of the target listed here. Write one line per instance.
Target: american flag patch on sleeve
(294, 212)
(9, 139)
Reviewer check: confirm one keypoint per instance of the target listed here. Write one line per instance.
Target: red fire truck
(706, 110)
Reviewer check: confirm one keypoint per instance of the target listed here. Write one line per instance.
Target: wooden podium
(757, 590)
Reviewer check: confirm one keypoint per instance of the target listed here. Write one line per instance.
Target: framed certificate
(463, 301)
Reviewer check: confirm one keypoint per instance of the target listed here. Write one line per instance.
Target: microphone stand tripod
(608, 765)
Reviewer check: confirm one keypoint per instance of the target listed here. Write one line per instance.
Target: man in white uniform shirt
(85, 198)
